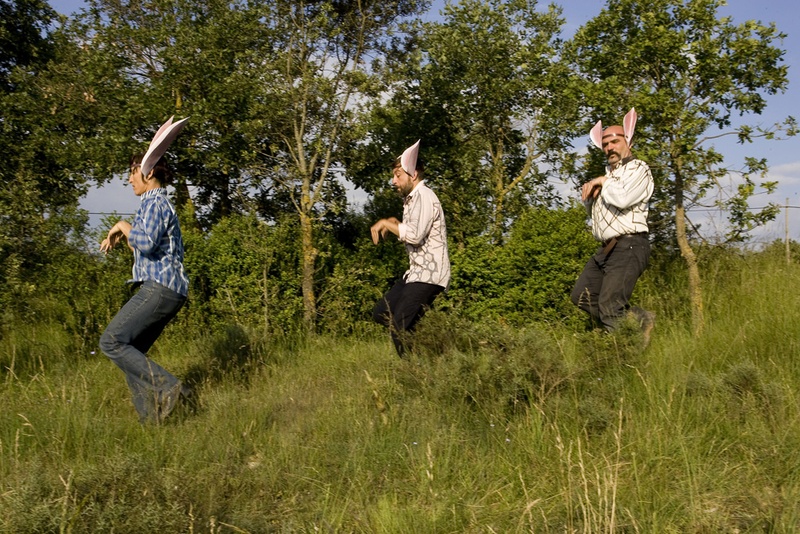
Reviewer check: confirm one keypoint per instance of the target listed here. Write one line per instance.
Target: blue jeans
(606, 284)
(402, 306)
(130, 335)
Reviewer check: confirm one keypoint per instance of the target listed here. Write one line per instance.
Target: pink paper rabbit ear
(629, 125)
(596, 134)
(161, 130)
(160, 143)
(408, 161)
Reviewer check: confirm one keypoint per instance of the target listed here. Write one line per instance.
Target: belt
(609, 245)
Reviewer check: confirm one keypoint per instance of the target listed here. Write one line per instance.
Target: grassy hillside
(485, 429)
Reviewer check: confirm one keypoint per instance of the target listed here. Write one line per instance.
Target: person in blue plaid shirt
(155, 239)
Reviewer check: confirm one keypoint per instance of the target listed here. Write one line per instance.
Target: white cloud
(786, 174)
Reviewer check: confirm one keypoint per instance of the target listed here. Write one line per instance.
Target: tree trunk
(182, 197)
(499, 208)
(695, 286)
(309, 255)
(499, 186)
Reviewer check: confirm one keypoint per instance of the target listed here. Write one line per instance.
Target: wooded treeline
(292, 103)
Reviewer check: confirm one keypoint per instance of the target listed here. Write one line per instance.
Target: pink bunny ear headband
(628, 126)
(160, 143)
(408, 161)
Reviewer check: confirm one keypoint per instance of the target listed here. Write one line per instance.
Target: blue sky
(783, 156)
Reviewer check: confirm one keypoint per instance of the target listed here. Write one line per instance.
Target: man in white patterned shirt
(424, 233)
(617, 203)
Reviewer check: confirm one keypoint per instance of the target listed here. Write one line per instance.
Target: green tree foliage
(279, 94)
(355, 273)
(59, 284)
(527, 279)
(36, 196)
(486, 94)
(273, 90)
(243, 272)
(313, 88)
(177, 57)
(24, 36)
(247, 272)
(687, 71)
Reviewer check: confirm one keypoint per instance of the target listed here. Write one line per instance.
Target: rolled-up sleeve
(417, 222)
(147, 228)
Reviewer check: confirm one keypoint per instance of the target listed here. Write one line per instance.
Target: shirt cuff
(401, 231)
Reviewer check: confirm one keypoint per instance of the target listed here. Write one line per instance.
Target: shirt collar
(623, 162)
(413, 192)
(158, 191)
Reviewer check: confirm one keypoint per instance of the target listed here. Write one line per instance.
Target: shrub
(531, 276)
(244, 271)
(490, 365)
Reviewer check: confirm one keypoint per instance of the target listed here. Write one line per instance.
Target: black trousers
(402, 307)
(606, 284)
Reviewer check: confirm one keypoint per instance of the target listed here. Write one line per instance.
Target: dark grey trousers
(606, 284)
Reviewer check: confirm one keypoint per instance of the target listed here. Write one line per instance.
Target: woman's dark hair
(161, 170)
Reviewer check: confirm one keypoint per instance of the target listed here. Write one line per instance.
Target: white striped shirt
(621, 207)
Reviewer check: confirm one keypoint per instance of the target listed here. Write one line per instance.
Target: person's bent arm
(382, 228)
(591, 189)
(122, 228)
(633, 186)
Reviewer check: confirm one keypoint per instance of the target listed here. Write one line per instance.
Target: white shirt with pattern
(621, 207)
(424, 233)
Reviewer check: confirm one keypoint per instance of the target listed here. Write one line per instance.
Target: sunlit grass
(483, 429)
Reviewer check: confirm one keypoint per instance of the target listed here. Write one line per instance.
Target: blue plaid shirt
(158, 247)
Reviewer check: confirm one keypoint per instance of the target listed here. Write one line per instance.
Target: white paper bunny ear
(596, 134)
(160, 143)
(408, 161)
(629, 125)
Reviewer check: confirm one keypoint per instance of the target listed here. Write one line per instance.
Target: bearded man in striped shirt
(617, 203)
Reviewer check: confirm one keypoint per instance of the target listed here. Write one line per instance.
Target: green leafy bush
(244, 271)
(530, 277)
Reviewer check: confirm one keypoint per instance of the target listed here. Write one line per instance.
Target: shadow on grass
(230, 355)
(225, 355)
(499, 369)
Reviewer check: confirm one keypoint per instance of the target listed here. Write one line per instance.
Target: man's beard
(403, 193)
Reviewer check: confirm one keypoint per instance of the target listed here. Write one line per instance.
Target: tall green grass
(484, 429)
